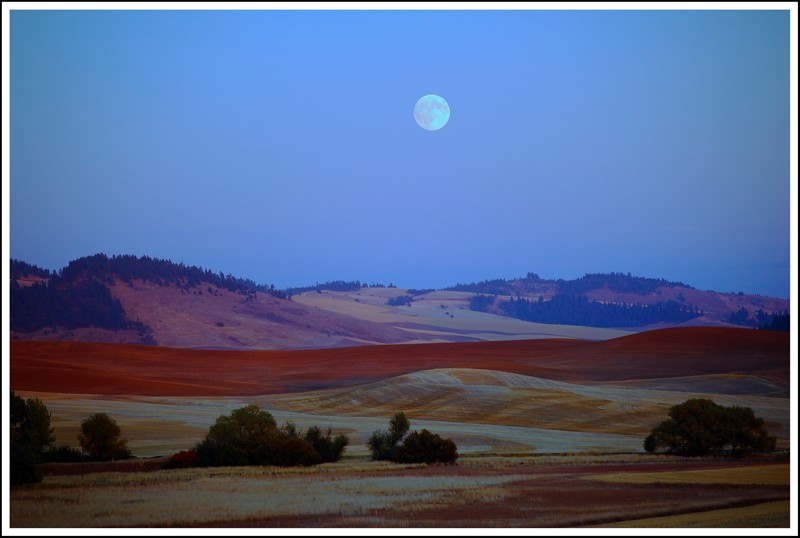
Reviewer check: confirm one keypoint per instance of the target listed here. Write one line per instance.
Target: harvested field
(82, 368)
(374, 494)
(767, 474)
(501, 398)
(535, 422)
(771, 514)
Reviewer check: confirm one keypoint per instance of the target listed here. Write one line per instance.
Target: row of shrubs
(250, 436)
(247, 436)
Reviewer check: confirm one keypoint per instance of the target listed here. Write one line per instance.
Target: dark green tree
(329, 449)
(382, 444)
(247, 436)
(398, 426)
(250, 436)
(30, 435)
(416, 447)
(699, 426)
(743, 432)
(426, 447)
(101, 438)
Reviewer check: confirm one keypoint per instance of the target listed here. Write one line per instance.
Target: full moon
(431, 112)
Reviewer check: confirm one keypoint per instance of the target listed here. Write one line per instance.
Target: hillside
(125, 299)
(91, 368)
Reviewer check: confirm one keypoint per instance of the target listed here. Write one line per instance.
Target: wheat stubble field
(549, 432)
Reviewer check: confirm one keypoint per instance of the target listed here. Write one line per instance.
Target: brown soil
(115, 369)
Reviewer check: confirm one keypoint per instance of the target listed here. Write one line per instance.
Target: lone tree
(699, 426)
(383, 444)
(101, 438)
(30, 435)
(416, 447)
(250, 436)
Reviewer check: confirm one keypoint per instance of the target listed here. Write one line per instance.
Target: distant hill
(622, 300)
(127, 299)
(143, 300)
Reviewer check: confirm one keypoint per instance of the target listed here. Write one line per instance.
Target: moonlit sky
(281, 146)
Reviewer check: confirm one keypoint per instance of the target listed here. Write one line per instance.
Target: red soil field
(117, 369)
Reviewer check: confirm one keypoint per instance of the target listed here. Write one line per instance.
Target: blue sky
(281, 146)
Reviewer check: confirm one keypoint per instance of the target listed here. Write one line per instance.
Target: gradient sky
(281, 146)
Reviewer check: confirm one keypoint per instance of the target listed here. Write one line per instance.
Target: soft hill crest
(144, 300)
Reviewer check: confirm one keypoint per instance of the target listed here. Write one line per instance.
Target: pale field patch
(502, 398)
(368, 304)
(777, 474)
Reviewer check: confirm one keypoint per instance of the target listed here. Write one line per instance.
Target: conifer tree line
(78, 295)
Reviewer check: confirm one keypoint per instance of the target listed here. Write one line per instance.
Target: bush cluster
(62, 454)
(699, 426)
(182, 460)
(32, 440)
(426, 447)
(416, 447)
(250, 436)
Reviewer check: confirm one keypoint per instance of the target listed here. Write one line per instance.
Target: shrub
(30, 434)
(245, 437)
(62, 454)
(250, 436)
(426, 447)
(416, 447)
(329, 450)
(699, 426)
(293, 451)
(101, 438)
(182, 460)
(382, 444)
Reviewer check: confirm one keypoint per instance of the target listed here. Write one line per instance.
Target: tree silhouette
(101, 438)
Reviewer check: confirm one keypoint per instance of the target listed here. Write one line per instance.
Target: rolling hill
(95, 368)
(126, 299)
(546, 395)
